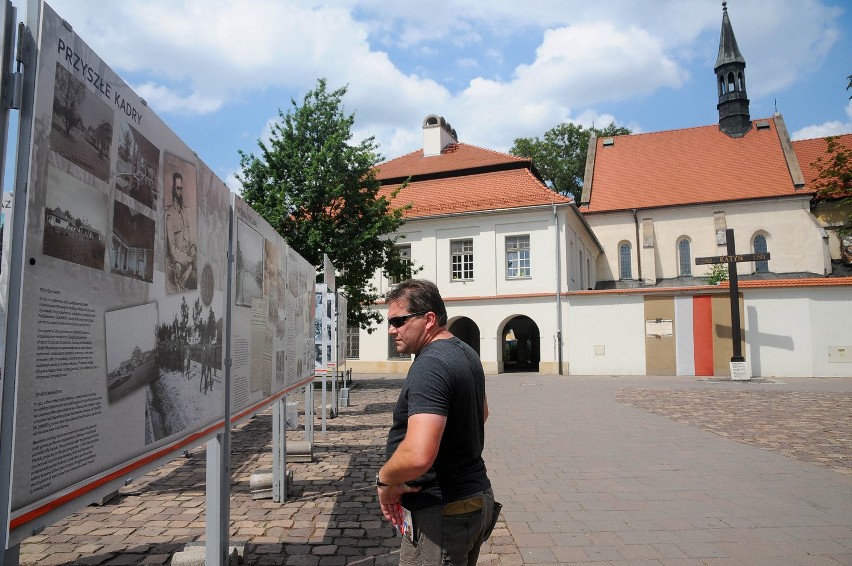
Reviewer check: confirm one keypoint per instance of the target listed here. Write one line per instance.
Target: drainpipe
(558, 293)
(638, 245)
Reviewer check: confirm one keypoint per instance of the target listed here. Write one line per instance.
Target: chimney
(437, 134)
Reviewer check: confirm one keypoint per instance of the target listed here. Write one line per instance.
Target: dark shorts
(450, 534)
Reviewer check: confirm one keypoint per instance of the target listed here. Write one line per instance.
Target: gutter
(558, 292)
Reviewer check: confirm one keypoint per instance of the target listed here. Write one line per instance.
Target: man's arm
(485, 409)
(417, 451)
(413, 457)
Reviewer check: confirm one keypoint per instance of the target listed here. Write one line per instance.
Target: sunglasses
(398, 321)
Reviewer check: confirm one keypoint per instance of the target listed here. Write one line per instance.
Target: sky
(218, 71)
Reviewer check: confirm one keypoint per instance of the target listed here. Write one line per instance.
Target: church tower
(734, 118)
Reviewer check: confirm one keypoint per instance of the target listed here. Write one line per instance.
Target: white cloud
(831, 128)
(164, 99)
(200, 56)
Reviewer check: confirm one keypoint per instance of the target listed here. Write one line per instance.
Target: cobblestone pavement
(332, 516)
(591, 470)
(808, 426)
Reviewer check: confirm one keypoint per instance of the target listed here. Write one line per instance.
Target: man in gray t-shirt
(434, 486)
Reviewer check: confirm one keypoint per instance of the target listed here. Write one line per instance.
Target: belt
(463, 506)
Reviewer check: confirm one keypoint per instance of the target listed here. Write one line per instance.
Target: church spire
(734, 117)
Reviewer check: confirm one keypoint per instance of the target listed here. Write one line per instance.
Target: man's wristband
(380, 483)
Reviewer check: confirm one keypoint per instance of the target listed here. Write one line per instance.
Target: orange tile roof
(456, 157)
(808, 151)
(688, 166)
(497, 190)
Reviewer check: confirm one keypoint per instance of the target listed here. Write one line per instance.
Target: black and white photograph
(75, 220)
(82, 125)
(249, 264)
(137, 167)
(181, 224)
(131, 350)
(273, 285)
(190, 381)
(131, 251)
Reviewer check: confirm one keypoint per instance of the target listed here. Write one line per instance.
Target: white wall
(491, 299)
(795, 241)
(613, 323)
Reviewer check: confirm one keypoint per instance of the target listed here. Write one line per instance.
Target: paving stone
(598, 470)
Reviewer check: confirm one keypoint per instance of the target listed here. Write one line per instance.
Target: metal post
(28, 43)
(736, 332)
(324, 402)
(309, 412)
(279, 450)
(218, 512)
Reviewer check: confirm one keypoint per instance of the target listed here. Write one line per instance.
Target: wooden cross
(732, 259)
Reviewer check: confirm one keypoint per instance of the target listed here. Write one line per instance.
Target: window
(760, 247)
(625, 268)
(461, 252)
(353, 342)
(582, 279)
(392, 353)
(405, 257)
(684, 258)
(517, 256)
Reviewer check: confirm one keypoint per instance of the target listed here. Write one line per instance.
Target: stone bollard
(300, 451)
(260, 484)
(194, 554)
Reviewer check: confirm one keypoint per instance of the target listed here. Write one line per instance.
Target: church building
(610, 285)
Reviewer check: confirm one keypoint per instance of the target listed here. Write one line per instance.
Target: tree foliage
(561, 156)
(834, 177)
(317, 188)
(834, 180)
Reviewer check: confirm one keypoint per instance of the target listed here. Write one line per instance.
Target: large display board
(124, 303)
(272, 318)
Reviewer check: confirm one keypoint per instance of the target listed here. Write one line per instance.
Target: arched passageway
(467, 331)
(521, 345)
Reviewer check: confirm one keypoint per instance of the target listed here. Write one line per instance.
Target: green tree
(560, 157)
(318, 189)
(834, 180)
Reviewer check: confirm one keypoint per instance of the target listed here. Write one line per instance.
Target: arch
(760, 245)
(520, 345)
(434, 120)
(684, 256)
(625, 260)
(465, 330)
(722, 86)
(732, 84)
(740, 82)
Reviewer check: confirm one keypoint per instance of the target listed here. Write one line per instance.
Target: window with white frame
(625, 266)
(404, 252)
(517, 257)
(761, 247)
(684, 257)
(461, 254)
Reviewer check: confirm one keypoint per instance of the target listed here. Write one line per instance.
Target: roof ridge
(514, 157)
(716, 125)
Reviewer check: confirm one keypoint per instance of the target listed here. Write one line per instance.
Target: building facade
(502, 247)
(611, 286)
